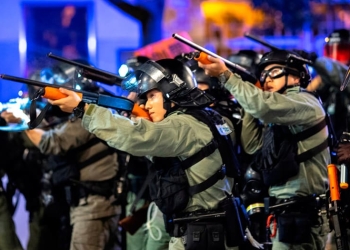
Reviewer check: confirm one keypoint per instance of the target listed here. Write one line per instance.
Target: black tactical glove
(312, 56)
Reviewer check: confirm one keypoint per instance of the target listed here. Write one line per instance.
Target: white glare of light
(92, 45)
(22, 45)
(123, 70)
(20, 93)
(77, 87)
(133, 80)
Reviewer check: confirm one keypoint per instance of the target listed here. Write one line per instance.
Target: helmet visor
(130, 82)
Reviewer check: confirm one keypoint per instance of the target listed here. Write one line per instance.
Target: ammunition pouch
(204, 235)
(203, 228)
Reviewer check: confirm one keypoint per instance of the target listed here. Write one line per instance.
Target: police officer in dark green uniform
(287, 111)
(173, 136)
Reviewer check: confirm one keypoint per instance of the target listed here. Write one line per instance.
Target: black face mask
(276, 72)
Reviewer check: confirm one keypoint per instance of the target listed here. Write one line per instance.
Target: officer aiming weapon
(90, 72)
(202, 54)
(51, 91)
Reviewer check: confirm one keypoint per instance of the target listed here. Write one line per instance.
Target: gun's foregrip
(333, 182)
(203, 58)
(140, 112)
(54, 93)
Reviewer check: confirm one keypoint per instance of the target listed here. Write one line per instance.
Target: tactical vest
(169, 188)
(278, 159)
(66, 171)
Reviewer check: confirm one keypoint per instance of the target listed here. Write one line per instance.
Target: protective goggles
(276, 72)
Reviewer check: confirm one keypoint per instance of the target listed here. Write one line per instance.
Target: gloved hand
(312, 56)
(343, 152)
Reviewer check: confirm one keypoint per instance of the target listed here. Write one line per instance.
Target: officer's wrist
(79, 110)
(224, 76)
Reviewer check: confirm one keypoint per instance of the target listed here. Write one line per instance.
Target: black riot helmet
(66, 75)
(337, 46)
(292, 64)
(215, 89)
(174, 79)
(248, 59)
(131, 65)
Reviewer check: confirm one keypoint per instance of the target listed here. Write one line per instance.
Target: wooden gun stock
(133, 222)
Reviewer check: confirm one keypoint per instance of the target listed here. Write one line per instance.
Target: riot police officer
(287, 111)
(193, 187)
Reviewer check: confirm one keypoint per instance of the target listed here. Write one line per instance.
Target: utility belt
(293, 217)
(208, 229)
(310, 203)
(82, 189)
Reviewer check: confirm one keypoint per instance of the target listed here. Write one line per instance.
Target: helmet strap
(167, 106)
(284, 88)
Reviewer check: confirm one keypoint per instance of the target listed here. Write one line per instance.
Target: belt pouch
(205, 235)
(294, 228)
(196, 236)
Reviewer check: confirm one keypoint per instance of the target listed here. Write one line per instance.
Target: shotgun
(202, 54)
(91, 72)
(261, 41)
(51, 91)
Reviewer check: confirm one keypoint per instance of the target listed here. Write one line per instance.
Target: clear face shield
(145, 78)
(52, 76)
(130, 82)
